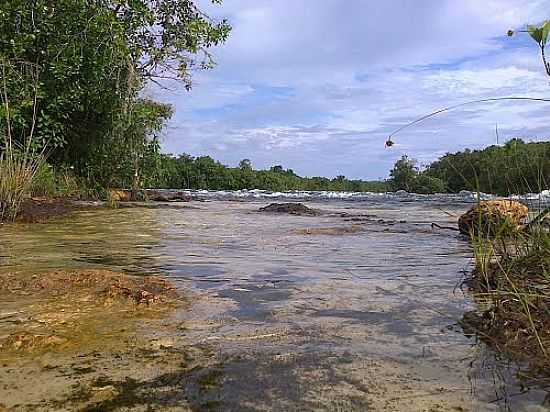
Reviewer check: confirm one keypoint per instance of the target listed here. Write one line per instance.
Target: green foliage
(125, 157)
(19, 162)
(44, 182)
(514, 168)
(90, 59)
(17, 172)
(405, 175)
(428, 184)
(540, 35)
(61, 182)
(205, 173)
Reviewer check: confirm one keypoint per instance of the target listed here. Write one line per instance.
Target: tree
(168, 38)
(93, 57)
(245, 164)
(403, 174)
(514, 168)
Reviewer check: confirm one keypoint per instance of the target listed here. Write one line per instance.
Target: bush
(44, 182)
(428, 184)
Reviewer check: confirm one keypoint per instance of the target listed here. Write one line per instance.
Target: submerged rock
(167, 195)
(290, 208)
(340, 230)
(63, 311)
(98, 286)
(27, 341)
(491, 216)
(155, 195)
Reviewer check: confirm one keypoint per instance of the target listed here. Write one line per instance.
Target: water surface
(360, 320)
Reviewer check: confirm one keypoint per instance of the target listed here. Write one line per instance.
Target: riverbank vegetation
(515, 167)
(511, 275)
(511, 283)
(206, 173)
(73, 76)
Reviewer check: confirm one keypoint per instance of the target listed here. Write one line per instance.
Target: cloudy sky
(317, 85)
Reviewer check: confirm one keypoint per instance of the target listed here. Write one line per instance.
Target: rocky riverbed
(215, 306)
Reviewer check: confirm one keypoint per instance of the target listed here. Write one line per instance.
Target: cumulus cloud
(318, 85)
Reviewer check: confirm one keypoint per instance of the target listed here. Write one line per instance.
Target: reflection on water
(371, 313)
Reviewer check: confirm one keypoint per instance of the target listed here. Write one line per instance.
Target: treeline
(513, 168)
(206, 173)
(72, 74)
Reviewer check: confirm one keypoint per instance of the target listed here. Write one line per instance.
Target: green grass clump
(17, 174)
(512, 280)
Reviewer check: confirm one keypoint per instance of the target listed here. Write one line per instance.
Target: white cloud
(317, 85)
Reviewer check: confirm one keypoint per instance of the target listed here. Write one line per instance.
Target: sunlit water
(370, 314)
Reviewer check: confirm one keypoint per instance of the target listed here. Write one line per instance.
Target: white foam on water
(399, 196)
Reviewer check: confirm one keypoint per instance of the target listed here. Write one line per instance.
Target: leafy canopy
(92, 58)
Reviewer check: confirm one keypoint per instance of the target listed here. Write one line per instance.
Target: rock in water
(492, 216)
(160, 195)
(291, 208)
(120, 195)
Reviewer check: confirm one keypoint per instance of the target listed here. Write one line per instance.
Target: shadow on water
(248, 383)
(362, 320)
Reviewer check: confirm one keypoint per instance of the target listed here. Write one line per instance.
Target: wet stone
(290, 208)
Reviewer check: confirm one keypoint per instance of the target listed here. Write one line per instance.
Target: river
(354, 309)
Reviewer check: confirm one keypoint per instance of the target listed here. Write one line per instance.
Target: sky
(318, 85)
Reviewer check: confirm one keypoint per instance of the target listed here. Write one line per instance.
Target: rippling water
(399, 196)
(369, 313)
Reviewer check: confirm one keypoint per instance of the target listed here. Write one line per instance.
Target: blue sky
(317, 85)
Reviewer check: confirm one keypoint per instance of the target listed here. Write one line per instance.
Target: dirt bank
(39, 210)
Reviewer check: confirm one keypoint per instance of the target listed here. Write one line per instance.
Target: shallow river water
(355, 309)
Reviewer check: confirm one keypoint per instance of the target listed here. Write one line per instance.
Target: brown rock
(120, 195)
(29, 341)
(290, 208)
(161, 195)
(492, 216)
(103, 394)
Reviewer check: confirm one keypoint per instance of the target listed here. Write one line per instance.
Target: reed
(17, 172)
(512, 279)
(19, 161)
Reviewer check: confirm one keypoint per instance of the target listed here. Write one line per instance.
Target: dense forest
(513, 168)
(205, 173)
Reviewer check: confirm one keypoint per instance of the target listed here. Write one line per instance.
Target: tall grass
(17, 173)
(511, 279)
(19, 161)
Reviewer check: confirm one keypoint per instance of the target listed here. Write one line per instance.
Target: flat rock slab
(290, 208)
